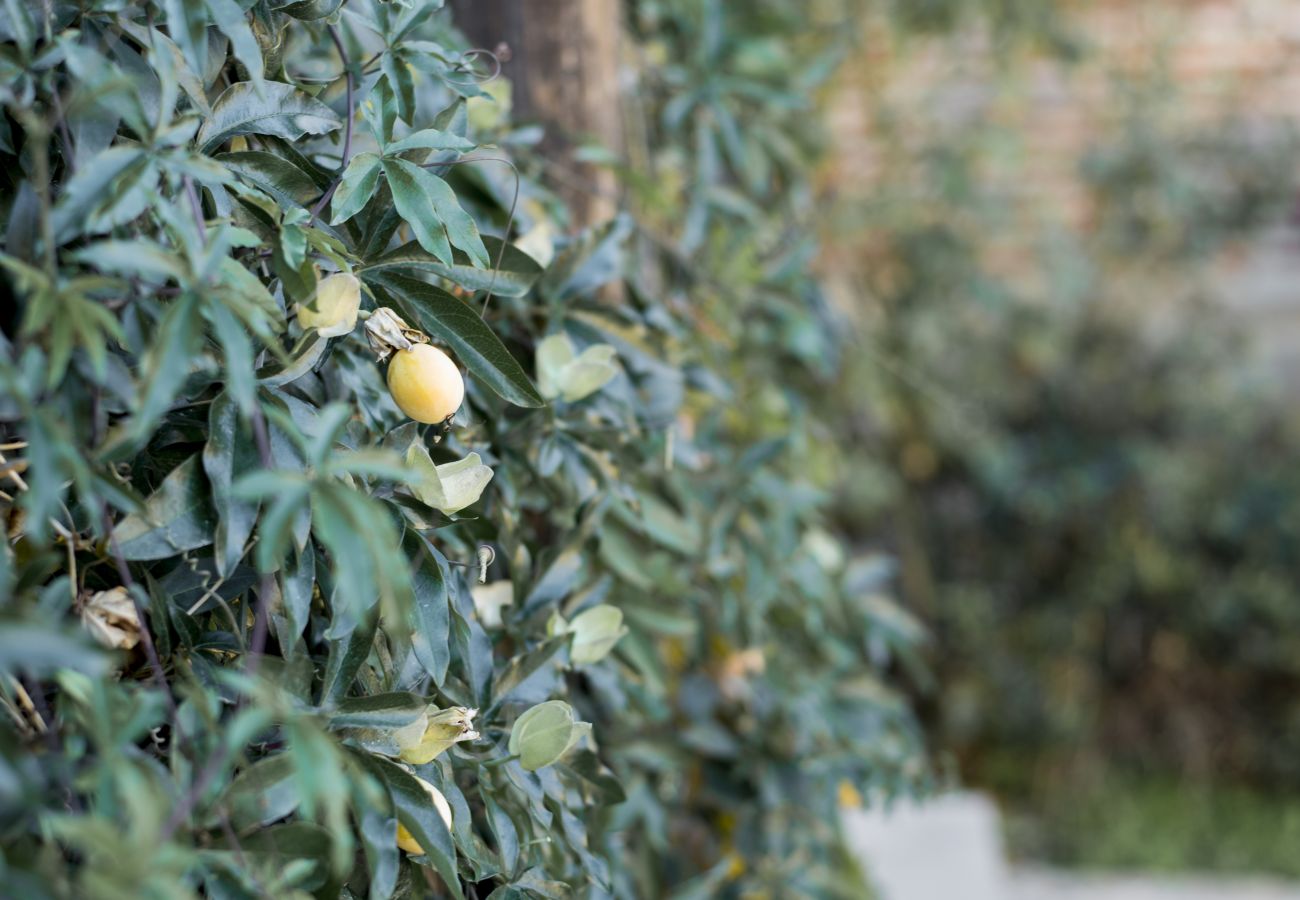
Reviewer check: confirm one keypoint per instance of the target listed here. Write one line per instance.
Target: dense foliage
(265, 636)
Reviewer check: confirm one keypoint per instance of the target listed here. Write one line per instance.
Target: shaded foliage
(240, 648)
(1092, 500)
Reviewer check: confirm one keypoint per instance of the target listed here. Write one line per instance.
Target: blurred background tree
(1068, 234)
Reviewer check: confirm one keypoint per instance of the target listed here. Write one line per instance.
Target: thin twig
(146, 637)
(69, 541)
(347, 128)
(41, 158)
(24, 727)
(257, 643)
(475, 53)
(181, 811)
(209, 592)
(64, 134)
(196, 206)
(32, 699)
(67, 532)
(25, 703)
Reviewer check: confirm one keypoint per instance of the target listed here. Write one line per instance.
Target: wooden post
(563, 65)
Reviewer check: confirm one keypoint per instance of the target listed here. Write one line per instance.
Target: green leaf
(557, 582)
(94, 200)
(299, 851)
(421, 819)
(355, 188)
(407, 183)
(503, 828)
(589, 767)
(144, 259)
(167, 362)
(429, 139)
(277, 524)
(345, 658)
(269, 107)
(297, 578)
(187, 23)
(262, 793)
(545, 733)
(511, 272)
(519, 669)
(289, 185)
(38, 651)
(177, 517)
(430, 618)
(237, 355)
(159, 615)
(356, 587)
(310, 10)
(461, 230)
(400, 82)
(391, 710)
(378, 828)
(228, 16)
(435, 311)
(309, 350)
(471, 647)
(422, 192)
(229, 449)
(593, 259)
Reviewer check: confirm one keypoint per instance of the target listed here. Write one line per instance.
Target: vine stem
(146, 636)
(40, 138)
(347, 127)
(257, 643)
(196, 207)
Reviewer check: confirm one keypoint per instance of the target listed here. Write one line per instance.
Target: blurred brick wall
(1223, 58)
(1225, 63)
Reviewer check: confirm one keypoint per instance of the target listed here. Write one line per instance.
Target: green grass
(1162, 825)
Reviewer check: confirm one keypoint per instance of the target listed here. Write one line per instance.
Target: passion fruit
(425, 384)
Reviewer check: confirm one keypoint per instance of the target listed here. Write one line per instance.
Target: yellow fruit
(405, 840)
(425, 383)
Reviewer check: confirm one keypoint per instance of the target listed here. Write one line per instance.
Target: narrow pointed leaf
(356, 187)
(408, 185)
(475, 344)
(510, 272)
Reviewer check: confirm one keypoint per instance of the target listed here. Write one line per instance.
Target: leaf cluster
(644, 661)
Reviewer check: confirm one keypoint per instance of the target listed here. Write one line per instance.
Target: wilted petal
(445, 727)
(111, 618)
